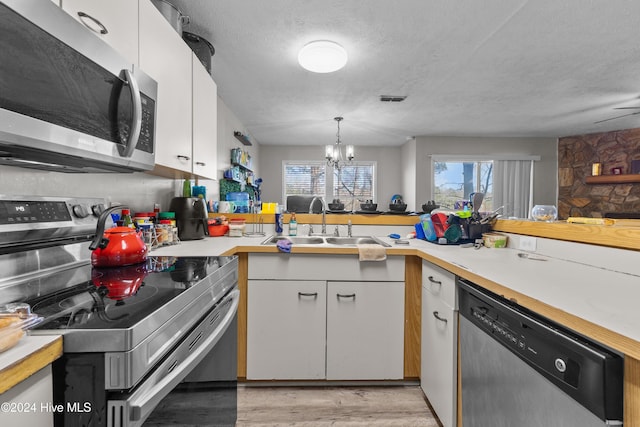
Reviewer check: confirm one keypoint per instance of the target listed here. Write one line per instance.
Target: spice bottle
(126, 218)
(186, 188)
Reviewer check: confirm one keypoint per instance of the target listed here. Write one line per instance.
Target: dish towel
(284, 245)
(372, 252)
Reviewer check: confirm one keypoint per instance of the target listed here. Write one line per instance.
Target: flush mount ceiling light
(322, 56)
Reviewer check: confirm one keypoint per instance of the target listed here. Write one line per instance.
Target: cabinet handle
(83, 16)
(437, 316)
(181, 157)
(201, 164)
(346, 296)
(308, 294)
(432, 280)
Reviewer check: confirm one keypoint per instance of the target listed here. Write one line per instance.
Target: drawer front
(439, 282)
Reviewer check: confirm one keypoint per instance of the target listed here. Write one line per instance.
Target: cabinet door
(286, 329)
(29, 397)
(167, 58)
(365, 330)
(205, 122)
(115, 21)
(438, 374)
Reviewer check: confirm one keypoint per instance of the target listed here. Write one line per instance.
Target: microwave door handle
(142, 402)
(136, 119)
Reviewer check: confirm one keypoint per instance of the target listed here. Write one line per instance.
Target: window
(506, 181)
(304, 179)
(454, 181)
(350, 184)
(353, 183)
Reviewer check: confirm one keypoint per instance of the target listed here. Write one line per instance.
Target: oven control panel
(33, 220)
(25, 211)
(16, 212)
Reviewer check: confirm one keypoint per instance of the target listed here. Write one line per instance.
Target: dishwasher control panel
(500, 328)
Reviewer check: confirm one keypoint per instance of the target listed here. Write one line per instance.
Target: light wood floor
(333, 406)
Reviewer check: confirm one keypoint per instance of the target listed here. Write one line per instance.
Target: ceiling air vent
(392, 98)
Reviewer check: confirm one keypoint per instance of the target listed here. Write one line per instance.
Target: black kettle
(191, 217)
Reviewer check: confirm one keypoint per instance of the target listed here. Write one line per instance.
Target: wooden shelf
(613, 179)
(242, 138)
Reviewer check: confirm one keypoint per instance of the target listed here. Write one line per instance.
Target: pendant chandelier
(333, 153)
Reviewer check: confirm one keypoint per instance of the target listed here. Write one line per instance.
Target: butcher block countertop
(624, 233)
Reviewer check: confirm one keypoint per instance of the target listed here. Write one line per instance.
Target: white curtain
(512, 186)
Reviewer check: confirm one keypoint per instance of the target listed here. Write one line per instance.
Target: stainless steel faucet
(349, 226)
(324, 212)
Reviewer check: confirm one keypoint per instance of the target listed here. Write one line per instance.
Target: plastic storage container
(15, 319)
(494, 240)
(236, 227)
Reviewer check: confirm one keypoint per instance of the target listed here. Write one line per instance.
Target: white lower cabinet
(439, 352)
(29, 402)
(365, 330)
(286, 329)
(318, 329)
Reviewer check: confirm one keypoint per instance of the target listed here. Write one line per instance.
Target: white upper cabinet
(187, 103)
(205, 122)
(115, 21)
(167, 58)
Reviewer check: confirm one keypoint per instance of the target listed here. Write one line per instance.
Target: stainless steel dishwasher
(520, 369)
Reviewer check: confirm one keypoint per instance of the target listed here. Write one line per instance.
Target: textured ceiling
(468, 67)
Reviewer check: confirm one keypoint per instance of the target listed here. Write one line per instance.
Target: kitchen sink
(300, 240)
(318, 240)
(352, 241)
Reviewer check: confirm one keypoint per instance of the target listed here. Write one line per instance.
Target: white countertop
(26, 347)
(597, 295)
(209, 246)
(600, 296)
(603, 297)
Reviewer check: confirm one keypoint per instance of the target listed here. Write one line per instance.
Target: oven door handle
(142, 402)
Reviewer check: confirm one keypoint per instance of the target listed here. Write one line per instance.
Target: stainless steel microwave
(69, 102)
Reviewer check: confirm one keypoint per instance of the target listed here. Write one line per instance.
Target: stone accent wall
(576, 154)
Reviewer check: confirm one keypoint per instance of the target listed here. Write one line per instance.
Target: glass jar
(547, 213)
(162, 233)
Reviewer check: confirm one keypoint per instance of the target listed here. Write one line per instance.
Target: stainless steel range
(133, 334)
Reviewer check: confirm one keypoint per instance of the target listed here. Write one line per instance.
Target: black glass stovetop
(87, 297)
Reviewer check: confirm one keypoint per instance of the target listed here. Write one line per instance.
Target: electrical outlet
(527, 243)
